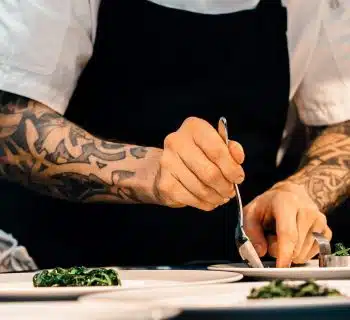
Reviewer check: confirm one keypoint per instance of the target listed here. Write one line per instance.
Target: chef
(109, 113)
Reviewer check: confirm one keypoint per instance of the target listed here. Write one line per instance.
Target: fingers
(285, 213)
(212, 145)
(308, 221)
(305, 248)
(174, 194)
(254, 229)
(310, 247)
(305, 222)
(174, 164)
(199, 159)
(236, 151)
(294, 219)
(315, 248)
(272, 245)
(207, 172)
(311, 254)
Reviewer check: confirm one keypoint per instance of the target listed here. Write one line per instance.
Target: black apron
(153, 67)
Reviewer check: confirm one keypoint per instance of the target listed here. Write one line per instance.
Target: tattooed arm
(325, 168)
(45, 152)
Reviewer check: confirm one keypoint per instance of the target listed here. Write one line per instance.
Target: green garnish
(341, 250)
(76, 277)
(278, 289)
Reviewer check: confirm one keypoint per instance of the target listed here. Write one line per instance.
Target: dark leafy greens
(76, 277)
(279, 289)
(341, 250)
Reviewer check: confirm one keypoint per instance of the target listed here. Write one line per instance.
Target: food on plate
(76, 277)
(280, 289)
(341, 250)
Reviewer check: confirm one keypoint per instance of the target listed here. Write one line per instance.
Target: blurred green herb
(279, 289)
(76, 277)
(341, 250)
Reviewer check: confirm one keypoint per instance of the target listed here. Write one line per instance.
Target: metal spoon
(243, 244)
(325, 248)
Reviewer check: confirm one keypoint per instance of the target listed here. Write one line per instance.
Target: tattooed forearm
(325, 168)
(45, 152)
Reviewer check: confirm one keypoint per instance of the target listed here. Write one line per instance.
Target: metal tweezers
(325, 258)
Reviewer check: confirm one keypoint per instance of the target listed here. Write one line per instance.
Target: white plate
(308, 271)
(91, 311)
(21, 286)
(231, 296)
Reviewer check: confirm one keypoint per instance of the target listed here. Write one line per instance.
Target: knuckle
(212, 174)
(288, 197)
(191, 121)
(166, 187)
(250, 212)
(217, 153)
(171, 140)
(238, 147)
(165, 161)
(205, 193)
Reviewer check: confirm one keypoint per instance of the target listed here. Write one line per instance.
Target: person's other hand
(288, 211)
(197, 168)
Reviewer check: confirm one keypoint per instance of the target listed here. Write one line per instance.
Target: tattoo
(325, 168)
(138, 152)
(45, 152)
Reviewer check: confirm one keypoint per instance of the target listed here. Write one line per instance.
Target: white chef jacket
(45, 44)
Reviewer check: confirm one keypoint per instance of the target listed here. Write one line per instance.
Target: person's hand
(197, 168)
(287, 210)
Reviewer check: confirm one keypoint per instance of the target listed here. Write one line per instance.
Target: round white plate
(307, 271)
(233, 296)
(91, 311)
(21, 286)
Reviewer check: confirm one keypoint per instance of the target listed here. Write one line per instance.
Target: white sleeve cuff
(329, 104)
(34, 86)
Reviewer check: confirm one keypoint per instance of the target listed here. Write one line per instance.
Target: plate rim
(247, 304)
(32, 292)
(221, 267)
(166, 312)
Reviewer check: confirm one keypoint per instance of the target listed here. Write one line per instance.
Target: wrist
(146, 177)
(136, 175)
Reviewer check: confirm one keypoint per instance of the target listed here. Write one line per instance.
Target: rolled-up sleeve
(323, 97)
(44, 46)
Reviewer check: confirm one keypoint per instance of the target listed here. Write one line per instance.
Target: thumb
(254, 229)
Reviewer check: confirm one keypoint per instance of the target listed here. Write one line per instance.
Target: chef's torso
(152, 67)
